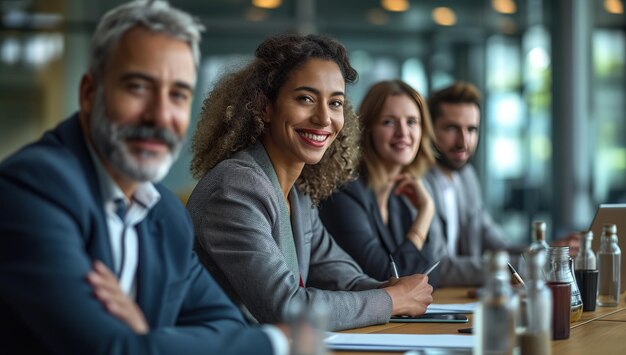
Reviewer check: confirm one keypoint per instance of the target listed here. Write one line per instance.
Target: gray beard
(110, 138)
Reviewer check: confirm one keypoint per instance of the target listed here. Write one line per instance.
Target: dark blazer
(244, 228)
(353, 218)
(53, 226)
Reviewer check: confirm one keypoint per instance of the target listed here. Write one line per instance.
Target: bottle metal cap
(610, 228)
(585, 235)
(539, 226)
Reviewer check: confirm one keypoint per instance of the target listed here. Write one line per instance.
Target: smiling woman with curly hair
(232, 114)
(274, 138)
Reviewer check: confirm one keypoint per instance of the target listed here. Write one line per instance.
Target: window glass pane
(609, 165)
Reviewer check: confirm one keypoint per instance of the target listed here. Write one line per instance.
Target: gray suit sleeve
(234, 209)
(454, 270)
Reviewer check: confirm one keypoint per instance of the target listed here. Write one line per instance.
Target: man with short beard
(95, 255)
(460, 219)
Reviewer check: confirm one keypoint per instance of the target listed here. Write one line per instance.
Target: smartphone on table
(431, 318)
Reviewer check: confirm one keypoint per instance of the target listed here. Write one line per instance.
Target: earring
(230, 110)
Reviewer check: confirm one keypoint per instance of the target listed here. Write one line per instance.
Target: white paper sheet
(397, 342)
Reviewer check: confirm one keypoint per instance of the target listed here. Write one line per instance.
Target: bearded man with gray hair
(95, 255)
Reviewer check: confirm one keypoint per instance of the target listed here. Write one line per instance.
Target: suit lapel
(286, 238)
(97, 244)
(383, 231)
(149, 234)
(465, 204)
(299, 227)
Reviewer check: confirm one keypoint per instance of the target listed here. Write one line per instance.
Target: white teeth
(313, 137)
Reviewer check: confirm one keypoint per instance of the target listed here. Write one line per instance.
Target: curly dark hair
(232, 114)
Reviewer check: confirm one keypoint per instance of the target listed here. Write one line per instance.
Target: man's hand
(108, 291)
(410, 295)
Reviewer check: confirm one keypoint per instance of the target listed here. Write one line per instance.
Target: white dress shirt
(122, 226)
(450, 207)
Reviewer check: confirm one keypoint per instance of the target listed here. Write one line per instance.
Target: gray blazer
(477, 231)
(242, 228)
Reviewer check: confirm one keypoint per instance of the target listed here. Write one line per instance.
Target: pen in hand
(516, 275)
(430, 269)
(394, 269)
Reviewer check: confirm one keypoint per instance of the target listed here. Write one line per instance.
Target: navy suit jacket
(52, 228)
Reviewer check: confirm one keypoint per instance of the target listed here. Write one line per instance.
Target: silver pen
(516, 276)
(394, 269)
(430, 269)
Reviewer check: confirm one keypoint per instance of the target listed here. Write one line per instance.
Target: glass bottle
(537, 334)
(307, 323)
(586, 272)
(560, 269)
(497, 312)
(586, 258)
(609, 263)
(539, 236)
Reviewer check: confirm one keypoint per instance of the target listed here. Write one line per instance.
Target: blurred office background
(553, 133)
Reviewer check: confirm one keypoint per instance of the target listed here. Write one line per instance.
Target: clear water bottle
(609, 264)
(497, 314)
(536, 337)
(539, 237)
(586, 258)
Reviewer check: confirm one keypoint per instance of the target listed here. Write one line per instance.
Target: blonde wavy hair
(369, 114)
(232, 114)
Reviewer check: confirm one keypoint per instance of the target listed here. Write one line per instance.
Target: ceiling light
(614, 6)
(395, 5)
(267, 4)
(444, 16)
(377, 16)
(254, 14)
(504, 6)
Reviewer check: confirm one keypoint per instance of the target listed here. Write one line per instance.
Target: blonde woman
(386, 214)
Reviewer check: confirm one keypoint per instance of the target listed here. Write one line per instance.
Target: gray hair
(156, 16)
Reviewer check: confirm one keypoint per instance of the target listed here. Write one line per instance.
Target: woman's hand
(410, 295)
(415, 191)
(108, 291)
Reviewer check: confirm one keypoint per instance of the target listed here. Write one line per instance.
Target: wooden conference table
(602, 331)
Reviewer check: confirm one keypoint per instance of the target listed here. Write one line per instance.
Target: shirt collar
(443, 179)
